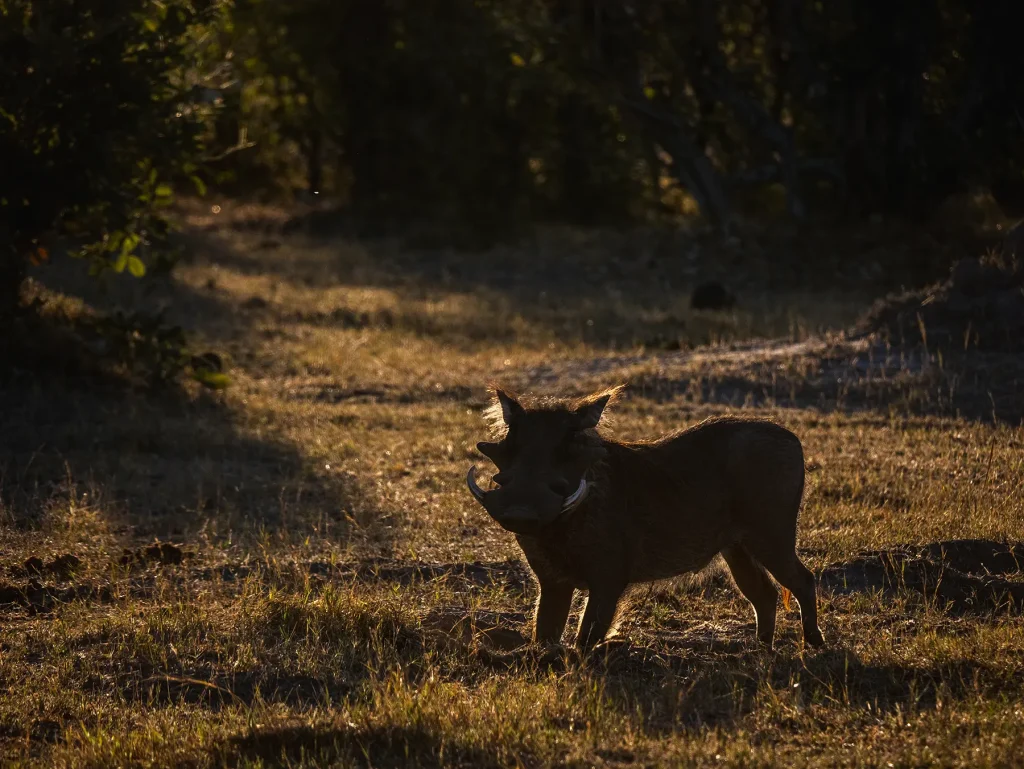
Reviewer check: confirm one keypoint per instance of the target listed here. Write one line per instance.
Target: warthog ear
(510, 407)
(589, 410)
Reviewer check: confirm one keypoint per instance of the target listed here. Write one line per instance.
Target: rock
(64, 566)
(711, 296)
(164, 553)
(159, 553)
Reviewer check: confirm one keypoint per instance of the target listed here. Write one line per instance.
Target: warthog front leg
(602, 604)
(552, 612)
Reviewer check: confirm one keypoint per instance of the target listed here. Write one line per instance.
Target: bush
(97, 120)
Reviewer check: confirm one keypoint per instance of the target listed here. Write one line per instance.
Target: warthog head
(542, 459)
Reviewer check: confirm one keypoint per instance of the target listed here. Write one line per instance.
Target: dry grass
(340, 601)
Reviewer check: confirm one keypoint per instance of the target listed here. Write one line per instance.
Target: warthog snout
(522, 516)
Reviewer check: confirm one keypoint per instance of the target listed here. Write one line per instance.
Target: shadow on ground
(366, 745)
(676, 675)
(156, 465)
(718, 686)
(697, 668)
(82, 448)
(163, 461)
(966, 576)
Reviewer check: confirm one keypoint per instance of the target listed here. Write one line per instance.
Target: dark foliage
(580, 110)
(95, 122)
(490, 114)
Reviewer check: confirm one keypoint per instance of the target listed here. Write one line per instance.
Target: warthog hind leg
(758, 588)
(789, 571)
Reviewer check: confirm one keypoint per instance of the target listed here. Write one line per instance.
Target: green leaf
(200, 185)
(131, 240)
(163, 190)
(136, 267)
(114, 241)
(121, 262)
(212, 379)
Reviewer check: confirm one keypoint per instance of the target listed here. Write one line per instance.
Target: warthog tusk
(570, 502)
(577, 496)
(475, 490)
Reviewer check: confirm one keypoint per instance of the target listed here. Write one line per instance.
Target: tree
(96, 123)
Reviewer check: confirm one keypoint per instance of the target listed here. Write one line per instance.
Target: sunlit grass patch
(344, 602)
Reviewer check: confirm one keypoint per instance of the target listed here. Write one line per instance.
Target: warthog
(595, 514)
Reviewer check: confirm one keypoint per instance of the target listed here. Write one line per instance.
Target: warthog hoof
(815, 638)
